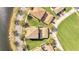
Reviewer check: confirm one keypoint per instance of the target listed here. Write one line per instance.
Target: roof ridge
(31, 32)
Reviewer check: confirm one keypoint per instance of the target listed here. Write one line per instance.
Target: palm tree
(15, 33)
(22, 36)
(22, 22)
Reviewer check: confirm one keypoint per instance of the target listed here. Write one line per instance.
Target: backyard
(68, 33)
(35, 43)
(35, 22)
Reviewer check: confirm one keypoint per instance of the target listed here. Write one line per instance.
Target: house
(49, 19)
(37, 12)
(37, 33)
(58, 10)
(32, 33)
(44, 33)
(42, 15)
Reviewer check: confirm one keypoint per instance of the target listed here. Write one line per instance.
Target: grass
(68, 33)
(34, 22)
(35, 43)
(68, 9)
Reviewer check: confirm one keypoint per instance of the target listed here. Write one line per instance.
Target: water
(5, 13)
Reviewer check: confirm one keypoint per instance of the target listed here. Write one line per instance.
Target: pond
(4, 22)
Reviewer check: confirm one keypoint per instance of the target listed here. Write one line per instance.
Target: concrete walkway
(57, 22)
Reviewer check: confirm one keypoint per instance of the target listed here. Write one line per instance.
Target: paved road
(4, 15)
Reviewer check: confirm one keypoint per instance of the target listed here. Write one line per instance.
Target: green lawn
(35, 43)
(35, 22)
(68, 33)
(68, 9)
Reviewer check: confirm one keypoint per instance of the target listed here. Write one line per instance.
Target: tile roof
(37, 12)
(58, 9)
(48, 19)
(44, 33)
(31, 33)
(36, 33)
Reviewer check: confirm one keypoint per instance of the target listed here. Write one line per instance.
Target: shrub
(49, 41)
(22, 22)
(28, 47)
(30, 17)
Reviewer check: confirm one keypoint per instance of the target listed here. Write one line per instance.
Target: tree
(49, 41)
(22, 22)
(16, 43)
(29, 17)
(22, 36)
(17, 22)
(50, 26)
(28, 47)
(15, 33)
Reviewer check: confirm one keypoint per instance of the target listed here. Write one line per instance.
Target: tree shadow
(29, 17)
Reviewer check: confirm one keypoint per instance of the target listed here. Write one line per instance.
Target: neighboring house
(37, 33)
(49, 19)
(58, 10)
(42, 15)
(37, 12)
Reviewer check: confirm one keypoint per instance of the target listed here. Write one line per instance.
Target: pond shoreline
(11, 29)
(11, 12)
(5, 13)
